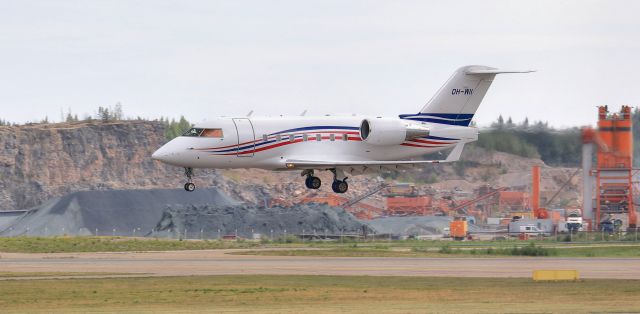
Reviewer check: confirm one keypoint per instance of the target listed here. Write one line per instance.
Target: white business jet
(340, 144)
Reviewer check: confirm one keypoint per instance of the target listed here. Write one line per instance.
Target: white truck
(531, 230)
(574, 224)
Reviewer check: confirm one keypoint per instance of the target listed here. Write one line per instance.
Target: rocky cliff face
(41, 161)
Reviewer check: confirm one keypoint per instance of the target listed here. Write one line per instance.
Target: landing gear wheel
(312, 182)
(339, 186)
(190, 187)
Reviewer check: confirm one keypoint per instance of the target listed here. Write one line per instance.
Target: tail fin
(458, 99)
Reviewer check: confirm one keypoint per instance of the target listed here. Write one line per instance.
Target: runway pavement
(220, 262)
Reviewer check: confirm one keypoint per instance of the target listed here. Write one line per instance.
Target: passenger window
(345, 137)
(332, 137)
(193, 132)
(305, 137)
(318, 137)
(217, 133)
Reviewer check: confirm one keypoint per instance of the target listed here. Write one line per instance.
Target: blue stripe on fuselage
(308, 128)
(462, 119)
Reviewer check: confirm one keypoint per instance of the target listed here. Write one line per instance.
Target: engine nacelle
(390, 131)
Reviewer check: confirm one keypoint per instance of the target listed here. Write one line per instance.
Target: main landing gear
(339, 184)
(311, 182)
(189, 186)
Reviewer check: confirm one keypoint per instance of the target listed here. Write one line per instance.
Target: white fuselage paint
(243, 143)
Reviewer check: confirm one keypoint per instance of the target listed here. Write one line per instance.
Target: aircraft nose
(162, 154)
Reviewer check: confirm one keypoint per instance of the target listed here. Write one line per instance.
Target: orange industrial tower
(614, 167)
(538, 212)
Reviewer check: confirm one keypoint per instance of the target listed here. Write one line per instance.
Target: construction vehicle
(458, 228)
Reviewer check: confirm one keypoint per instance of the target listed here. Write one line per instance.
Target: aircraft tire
(189, 187)
(312, 182)
(339, 186)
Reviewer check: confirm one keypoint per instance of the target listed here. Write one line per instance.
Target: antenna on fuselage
(303, 113)
(250, 113)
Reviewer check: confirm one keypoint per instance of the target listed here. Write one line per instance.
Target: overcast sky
(208, 58)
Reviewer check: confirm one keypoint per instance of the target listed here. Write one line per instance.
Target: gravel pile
(250, 221)
(128, 212)
(174, 213)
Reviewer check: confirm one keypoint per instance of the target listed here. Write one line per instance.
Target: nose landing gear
(189, 186)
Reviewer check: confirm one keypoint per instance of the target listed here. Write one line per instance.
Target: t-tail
(459, 98)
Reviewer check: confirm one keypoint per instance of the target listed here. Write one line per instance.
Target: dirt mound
(119, 212)
(246, 220)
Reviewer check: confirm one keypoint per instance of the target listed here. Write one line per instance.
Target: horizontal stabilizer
(495, 71)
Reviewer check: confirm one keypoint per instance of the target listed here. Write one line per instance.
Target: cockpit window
(212, 133)
(193, 132)
(199, 132)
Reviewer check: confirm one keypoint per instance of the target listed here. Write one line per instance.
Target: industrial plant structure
(612, 176)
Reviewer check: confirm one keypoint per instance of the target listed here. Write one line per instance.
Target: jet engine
(390, 131)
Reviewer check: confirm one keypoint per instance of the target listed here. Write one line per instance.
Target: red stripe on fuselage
(283, 143)
(271, 137)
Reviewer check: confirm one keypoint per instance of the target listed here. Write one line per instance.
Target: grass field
(294, 294)
(460, 251)
(373, 249)
(110, 244)
(5, 275)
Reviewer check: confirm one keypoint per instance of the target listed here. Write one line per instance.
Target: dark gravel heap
(247, 220)
(82, 213)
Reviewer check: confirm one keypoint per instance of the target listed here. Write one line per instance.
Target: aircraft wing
(365, 165)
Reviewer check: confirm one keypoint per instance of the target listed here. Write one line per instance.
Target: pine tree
(510, 123)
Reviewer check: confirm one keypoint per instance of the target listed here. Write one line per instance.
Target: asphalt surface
(220, 262)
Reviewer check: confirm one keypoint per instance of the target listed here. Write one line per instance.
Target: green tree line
(175, 128)
(558, 147)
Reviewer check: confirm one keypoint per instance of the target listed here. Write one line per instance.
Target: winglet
(454, 155)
